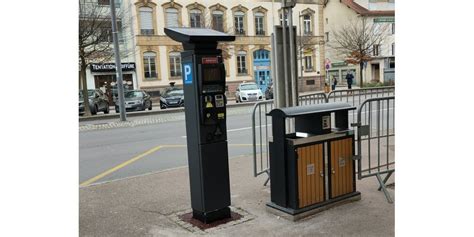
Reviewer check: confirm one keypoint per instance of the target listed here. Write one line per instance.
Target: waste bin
(311, 167)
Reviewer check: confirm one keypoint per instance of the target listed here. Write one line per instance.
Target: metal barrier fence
(356, 96)
(314, 98)
(375, 153)
(261, 138)
(261, 124)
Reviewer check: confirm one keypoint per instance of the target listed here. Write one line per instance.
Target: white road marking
(239, 129)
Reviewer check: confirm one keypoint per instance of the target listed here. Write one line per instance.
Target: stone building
(382, 12)
(247, 59)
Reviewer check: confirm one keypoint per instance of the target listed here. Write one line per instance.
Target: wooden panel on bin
(342, 169)
(310, 186)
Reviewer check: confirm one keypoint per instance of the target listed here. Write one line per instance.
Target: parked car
(248, 91)
(135, 100)
(172, 97)
(269, 92)
(114, 91)
(98, 101)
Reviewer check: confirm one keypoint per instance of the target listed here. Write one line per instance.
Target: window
(259, 17)
(172, 17)
(218, 20)
(307, 24)
(393, 49)
(281, 19)
(105, 33)
(103, 2)
(241, 62)
(239, 23)
(308, 63)
(327, 36)
(195, 18)
(146, 19)
(327, 21)
(393, 28)
(149, 66)
(175, 64)
(376, 50)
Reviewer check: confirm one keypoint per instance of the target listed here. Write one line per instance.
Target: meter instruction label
(188, 73)
(310, 169)
(326, 122)
(342, 162)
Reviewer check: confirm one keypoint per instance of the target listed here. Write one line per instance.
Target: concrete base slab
(273, 209)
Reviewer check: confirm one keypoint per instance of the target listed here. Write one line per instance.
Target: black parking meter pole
(205, 111)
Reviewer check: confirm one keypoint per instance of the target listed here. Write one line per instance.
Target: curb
(152, 112)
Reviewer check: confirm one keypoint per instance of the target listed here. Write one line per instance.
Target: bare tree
(95, 39)
(356, 41)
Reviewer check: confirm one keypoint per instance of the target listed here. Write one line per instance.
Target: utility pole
(118, 64)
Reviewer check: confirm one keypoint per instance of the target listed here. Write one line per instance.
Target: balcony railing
(242, 71)
(260, 32)
(147, 31)
(239, 31)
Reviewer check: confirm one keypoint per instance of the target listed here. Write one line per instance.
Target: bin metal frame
(289, 173)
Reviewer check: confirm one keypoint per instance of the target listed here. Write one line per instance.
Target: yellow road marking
(120, 166)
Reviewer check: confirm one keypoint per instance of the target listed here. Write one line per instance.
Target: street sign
(328, 64)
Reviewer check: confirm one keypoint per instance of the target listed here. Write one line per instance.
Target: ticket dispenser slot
(205, 115)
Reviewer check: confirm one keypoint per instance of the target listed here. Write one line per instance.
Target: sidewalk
(147, 205)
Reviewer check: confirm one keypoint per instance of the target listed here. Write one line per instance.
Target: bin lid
(197, 35)
(310, 109)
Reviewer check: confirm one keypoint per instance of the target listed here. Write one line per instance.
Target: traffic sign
(328, 63)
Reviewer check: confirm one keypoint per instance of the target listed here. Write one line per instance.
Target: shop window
(149, 65)
(175, 64)
(146, 21)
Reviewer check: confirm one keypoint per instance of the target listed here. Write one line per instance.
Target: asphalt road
(150, 143)
(104, 149)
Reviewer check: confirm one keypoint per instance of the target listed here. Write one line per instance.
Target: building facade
(382, 12)
(158, 61)
(101, 72)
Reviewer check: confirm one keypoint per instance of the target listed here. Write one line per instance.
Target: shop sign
(110, 67)
(339, 64)
(384, 19)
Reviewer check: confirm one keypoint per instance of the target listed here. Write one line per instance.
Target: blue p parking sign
(188, 73)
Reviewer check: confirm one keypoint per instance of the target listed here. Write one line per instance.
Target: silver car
(248, 91)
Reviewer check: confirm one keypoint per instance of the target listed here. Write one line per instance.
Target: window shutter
(146, 18)
(172, 17)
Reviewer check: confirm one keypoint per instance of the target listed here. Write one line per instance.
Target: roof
(364, 11)
(310, 109)
(197, 35)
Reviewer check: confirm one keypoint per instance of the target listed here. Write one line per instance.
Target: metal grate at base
(188, 218)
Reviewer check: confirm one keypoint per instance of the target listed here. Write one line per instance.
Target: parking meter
(205, 111)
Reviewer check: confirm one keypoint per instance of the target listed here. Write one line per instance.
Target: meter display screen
(211, 74)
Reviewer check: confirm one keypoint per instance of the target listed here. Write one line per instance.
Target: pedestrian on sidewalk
(349, 78)
(334, 82)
